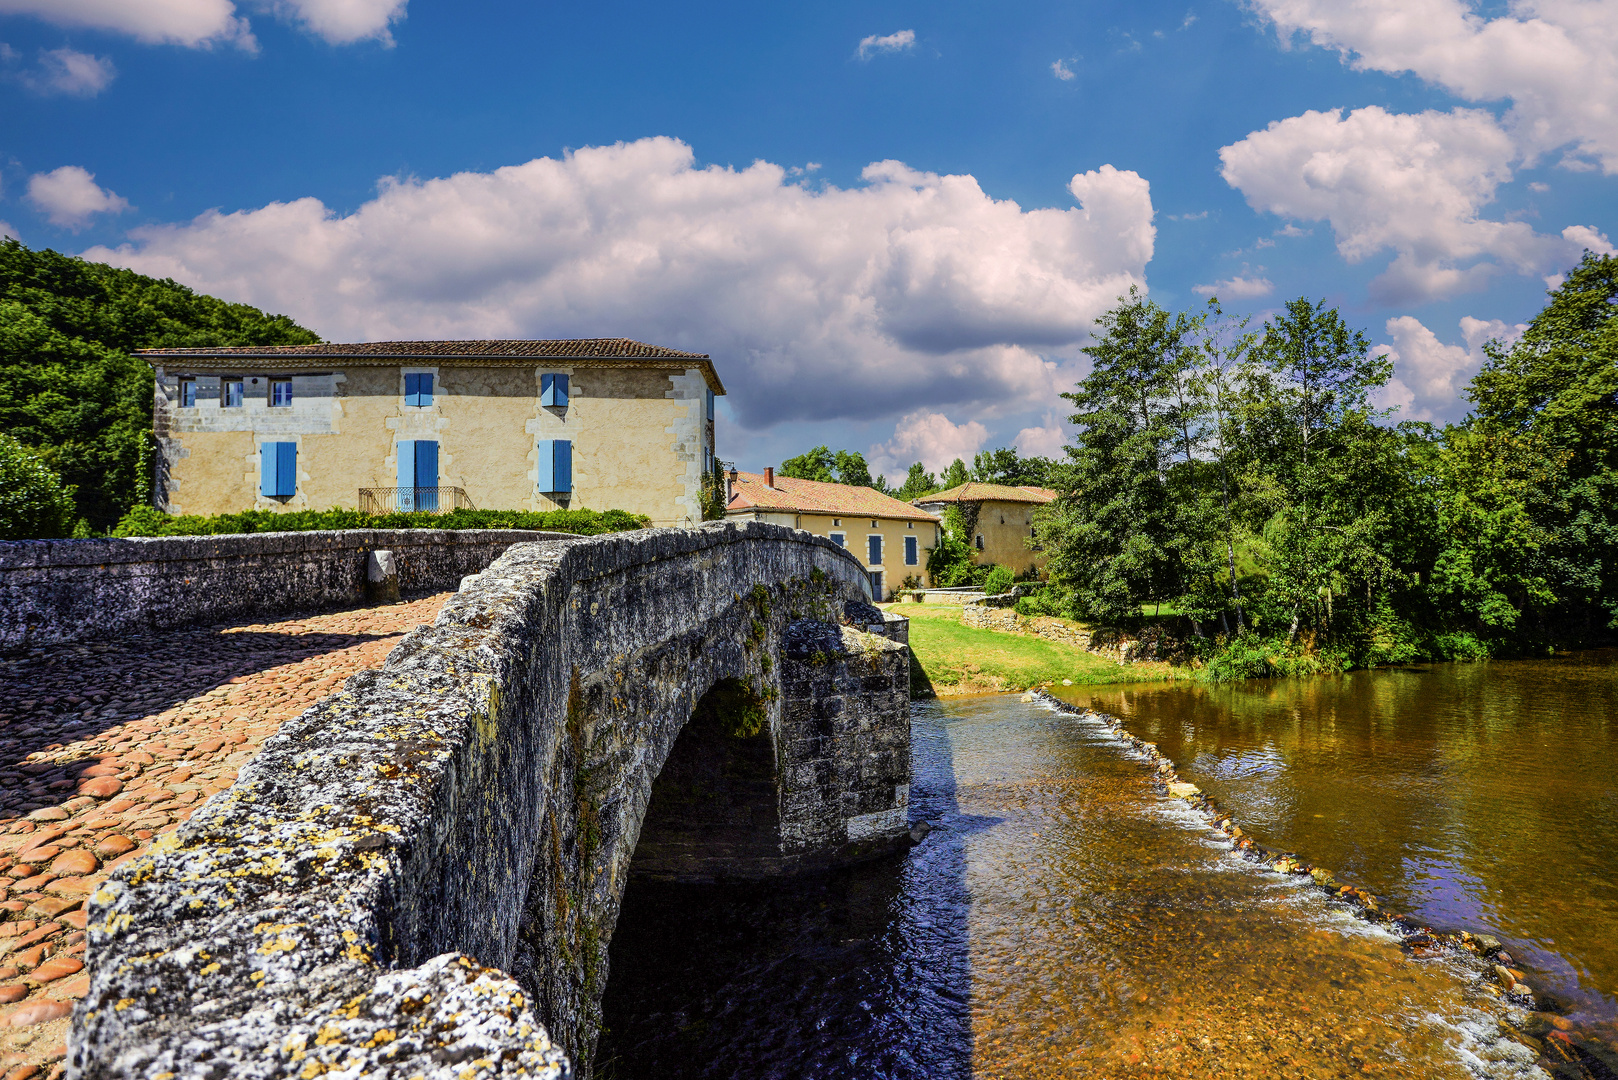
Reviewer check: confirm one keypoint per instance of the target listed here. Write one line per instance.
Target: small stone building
(999, 521)
(891, 538)
(599, 424)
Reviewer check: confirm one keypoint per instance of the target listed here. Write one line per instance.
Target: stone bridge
(419, 876)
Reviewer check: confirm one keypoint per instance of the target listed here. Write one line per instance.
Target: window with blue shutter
(278, 470)
(553, 390)
(875, 550)
(419, 390)
(912, 551)
(710, 404)
(555, 466)
(426, 455)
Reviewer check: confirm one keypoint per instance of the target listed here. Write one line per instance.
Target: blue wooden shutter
(413, 390)
(875, 551)
(553, 390)
(564, 459)
(425, 391)
(547, 465)
(407, 475)
(911, 547)
(286, 469)
(710, 404)
(426, 474)
(267, 485)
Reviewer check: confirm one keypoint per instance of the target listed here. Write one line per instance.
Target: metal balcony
(425, 500)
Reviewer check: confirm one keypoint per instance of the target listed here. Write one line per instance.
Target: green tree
(956, 475)
(1308, 404)
(69, 388)
(918, 482)
(852, 470)
(1556, 388)
(841, 467)
(1112, 534)
(34, 503)
(817, 464)
(1003, 465)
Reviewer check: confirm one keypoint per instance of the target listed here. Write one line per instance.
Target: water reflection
(1063, 920)
(1475, 796)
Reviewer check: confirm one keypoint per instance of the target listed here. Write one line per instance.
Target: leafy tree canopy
(841, 467)
(1004, 466)
(70, 391)
(34, 504)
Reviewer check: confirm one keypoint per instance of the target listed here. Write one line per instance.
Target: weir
(420, 875)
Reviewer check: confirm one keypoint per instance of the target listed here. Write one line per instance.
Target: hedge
(146, 521)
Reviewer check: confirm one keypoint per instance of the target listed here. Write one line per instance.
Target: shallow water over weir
(1064, 919)
(1478, 797)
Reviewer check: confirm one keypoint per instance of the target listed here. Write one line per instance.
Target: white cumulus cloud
(1045, 440)
(205, 23)
(1556, 61)
(1412, 183)
(930, 438)
(911, 291)
(8, 232)
(1237, 288)
(68, 72)
(1428, 375)
(70, 196)
(194, 23)
(1062, 71)
(343, 22)
(886, 43)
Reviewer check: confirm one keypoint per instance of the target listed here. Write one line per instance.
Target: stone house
(999, 521)
(892, 539)
(601, 424)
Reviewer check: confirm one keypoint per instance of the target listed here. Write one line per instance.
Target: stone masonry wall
(421, 870)
(56, 591)
(992, 618)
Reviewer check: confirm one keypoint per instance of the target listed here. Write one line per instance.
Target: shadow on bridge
(76, 697)
(862, 973)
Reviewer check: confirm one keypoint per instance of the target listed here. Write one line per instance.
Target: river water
(1473, 796)
(1066, 919)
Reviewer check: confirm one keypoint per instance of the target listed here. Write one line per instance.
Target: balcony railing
(428, 500)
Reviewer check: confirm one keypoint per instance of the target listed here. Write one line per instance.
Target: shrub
(34, 503)
(998, 580)
(146, 521)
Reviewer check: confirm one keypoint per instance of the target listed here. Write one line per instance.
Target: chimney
(730, 486)
(769, 476)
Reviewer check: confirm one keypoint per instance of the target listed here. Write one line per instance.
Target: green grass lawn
(960, 659)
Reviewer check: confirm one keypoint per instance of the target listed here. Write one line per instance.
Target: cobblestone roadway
(106, 745)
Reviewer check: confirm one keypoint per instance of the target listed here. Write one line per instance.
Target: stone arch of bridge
(419, 868)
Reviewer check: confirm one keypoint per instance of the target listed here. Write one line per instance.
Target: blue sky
(701, 176)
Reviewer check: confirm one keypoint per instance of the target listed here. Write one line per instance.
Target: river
(1066, 919)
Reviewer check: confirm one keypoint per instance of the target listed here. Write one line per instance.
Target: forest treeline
(1244, 479)
(74, 404)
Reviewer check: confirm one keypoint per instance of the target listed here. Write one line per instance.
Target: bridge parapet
(419, 872)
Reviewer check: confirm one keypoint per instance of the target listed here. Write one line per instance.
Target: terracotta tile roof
(609, 352)
(813, 497)
(972, 491)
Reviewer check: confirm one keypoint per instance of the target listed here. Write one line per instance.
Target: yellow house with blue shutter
(599, 423)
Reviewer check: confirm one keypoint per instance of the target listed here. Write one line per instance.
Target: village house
(890, 538)
(999, 522)
(599, 424)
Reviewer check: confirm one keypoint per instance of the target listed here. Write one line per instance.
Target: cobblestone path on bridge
(106, 745)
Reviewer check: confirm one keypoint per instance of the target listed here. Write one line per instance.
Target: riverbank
(960, 659)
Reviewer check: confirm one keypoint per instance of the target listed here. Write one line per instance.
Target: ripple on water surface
(1481, 797)
(1063, 920)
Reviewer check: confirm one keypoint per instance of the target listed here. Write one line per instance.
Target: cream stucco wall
(856, 533)
(640, 438)
(1005, 528)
